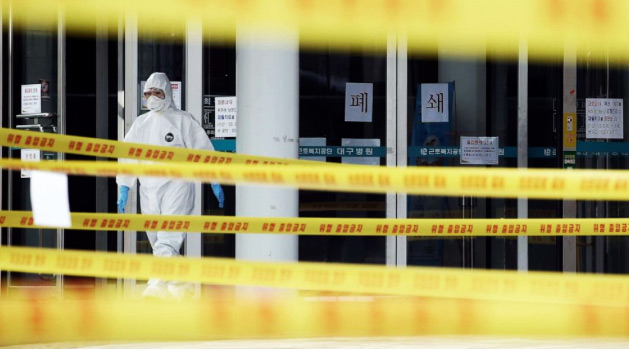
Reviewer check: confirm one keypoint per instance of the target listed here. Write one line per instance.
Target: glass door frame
(61, 113)
(399, 47)
(193, 87)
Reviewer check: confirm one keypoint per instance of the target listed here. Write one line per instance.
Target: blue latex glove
(122, 198)
(218, 192)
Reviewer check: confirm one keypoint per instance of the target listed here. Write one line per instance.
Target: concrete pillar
(267, 88)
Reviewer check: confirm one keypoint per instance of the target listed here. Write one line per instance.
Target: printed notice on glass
(603, 118)
(479, 150)
(225, 116)
(358, 102)
(49, 199)
(435, 103)
(29, 155)
(176, 86)
(31, 99)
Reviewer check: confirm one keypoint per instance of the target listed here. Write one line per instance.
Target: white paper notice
(435, 103)
(603, 118)
(479, 150)
(225, 116)
(176, 86)
(29, 155)
(358, 102)
(49, 199)
(31, 99)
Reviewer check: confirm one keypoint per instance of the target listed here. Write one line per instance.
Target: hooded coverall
(167, 127)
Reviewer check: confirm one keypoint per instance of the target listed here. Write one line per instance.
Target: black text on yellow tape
(436, 228)
(441, 181)
(28, 322)
(460, 26)
(142, 152)
(429, 282)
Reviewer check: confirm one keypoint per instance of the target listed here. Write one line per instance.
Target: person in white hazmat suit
(165, 125)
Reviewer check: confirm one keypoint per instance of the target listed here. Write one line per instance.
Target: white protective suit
(174, 128)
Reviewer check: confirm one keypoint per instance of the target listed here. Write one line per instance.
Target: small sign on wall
(604, 118)
(358, 102)
(29, 155)
(479, 150)
(226, 114)
(31, 99)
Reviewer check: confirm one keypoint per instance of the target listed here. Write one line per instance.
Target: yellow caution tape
(605, 290)
(453, 26)
(436, 228)
(29, 322)
(114, 149)
(440, 181)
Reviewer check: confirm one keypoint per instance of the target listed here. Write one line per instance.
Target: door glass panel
(481, 95)
(159, 52)
(602, 78)
(34, 58)
(219, 80)
(544, 130)
(323, 82)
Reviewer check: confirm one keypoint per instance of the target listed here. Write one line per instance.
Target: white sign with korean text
(479, 150)
(31, 99)
(176, 87)
(435, 103)
(603, 118)
(358, 102)
(225, 116)
(29, 155)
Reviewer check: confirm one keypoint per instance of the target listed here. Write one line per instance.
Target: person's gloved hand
(122, 198)
(218, 192)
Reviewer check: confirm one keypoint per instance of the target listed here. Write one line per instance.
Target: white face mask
(155, 103)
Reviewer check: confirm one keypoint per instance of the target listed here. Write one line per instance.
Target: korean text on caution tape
(436, 228)
(413, 281)
(440, 181)
(142, 152)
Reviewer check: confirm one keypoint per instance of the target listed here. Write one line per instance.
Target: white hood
(160, 81)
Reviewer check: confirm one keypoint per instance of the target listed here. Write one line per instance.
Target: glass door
(450, 102)
(34, 105)
(343, 119)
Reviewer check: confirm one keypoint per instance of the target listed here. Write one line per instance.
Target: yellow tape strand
(114, 149)
(23, 322)
(459, 26)
(605, 290)
(440, 181)
(436, 228)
